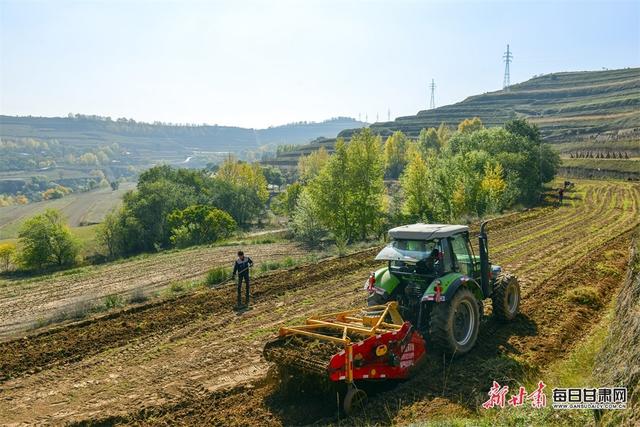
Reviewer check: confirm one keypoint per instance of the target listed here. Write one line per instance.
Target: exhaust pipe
(483, 244)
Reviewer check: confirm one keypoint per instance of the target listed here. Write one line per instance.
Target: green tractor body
(440, 283)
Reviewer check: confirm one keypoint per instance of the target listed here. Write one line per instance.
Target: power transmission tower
(508, 57)
(432, 103)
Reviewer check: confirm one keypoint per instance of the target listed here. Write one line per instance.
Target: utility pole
(432, 103)
(507, 57)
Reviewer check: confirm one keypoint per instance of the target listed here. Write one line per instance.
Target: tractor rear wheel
(454, 325)
(506, 297)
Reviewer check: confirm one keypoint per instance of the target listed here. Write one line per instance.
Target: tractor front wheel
(454, 325)
(506, 297)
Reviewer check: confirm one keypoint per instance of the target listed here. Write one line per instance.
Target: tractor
(440, 284)
(429, 297)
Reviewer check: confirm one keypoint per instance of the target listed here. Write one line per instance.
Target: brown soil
(195, 361)
(26, 303)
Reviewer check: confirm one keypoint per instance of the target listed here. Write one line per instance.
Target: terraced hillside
(595, 110)
(193, 360)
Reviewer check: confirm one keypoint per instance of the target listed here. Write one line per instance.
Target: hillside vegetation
(150, 143)
(597, 110)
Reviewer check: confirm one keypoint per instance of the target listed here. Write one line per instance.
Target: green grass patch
(113, 301)
(217, 275)
(607, 270)
(584, 295)
(617, 165)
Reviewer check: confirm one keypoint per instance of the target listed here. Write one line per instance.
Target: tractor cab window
(421, 255)
(462, 259)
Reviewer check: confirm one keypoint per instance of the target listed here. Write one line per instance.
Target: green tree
(285, 202)
(443, 134)
(415, 186)
(331, 193)
(349, 190)
(199, 224)
(306, 224)
(45, 239)
(309, 166)
(273, 175)
(428, 140)
(366, 177)
(395, 154)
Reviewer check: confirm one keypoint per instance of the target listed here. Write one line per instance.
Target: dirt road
(193, 360)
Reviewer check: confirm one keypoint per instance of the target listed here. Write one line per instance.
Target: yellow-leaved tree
(470, 125)
(244, 175)
(493, 187)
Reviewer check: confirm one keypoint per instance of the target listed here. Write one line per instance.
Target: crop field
(79, 209)
(192, 359)
(616, 165)
(42, 300)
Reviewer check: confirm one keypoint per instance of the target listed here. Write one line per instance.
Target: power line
(432, 103)
(507, 57)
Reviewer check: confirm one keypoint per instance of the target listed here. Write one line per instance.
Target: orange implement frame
(336, 327)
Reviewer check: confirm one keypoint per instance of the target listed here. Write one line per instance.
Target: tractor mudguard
(449, 284)
(386, 281)
(466, 281)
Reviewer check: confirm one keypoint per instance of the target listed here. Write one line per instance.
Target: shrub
(306, 224)
(199, 224)
(217, 275)
(47, 240)
(113, 301)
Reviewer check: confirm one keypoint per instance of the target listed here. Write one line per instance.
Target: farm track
(192, 360)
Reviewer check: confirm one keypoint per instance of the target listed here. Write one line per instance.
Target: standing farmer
(241, 266)
(560, 195)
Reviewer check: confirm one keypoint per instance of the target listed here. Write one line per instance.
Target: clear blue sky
(260, 63)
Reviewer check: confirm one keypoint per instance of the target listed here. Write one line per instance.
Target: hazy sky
(260, 63)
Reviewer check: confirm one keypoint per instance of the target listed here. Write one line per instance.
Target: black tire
(506, 297)
(454, 325)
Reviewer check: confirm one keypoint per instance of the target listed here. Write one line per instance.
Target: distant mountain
(149, 143)
(597, 110)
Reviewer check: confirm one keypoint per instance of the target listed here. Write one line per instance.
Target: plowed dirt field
(193, 360)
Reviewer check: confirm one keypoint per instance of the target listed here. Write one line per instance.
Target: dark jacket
(242, 267)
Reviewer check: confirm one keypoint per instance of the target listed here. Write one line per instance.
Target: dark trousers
(241, 277)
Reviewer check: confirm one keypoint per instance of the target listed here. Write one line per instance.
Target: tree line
(442, 176)
(169, 208)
